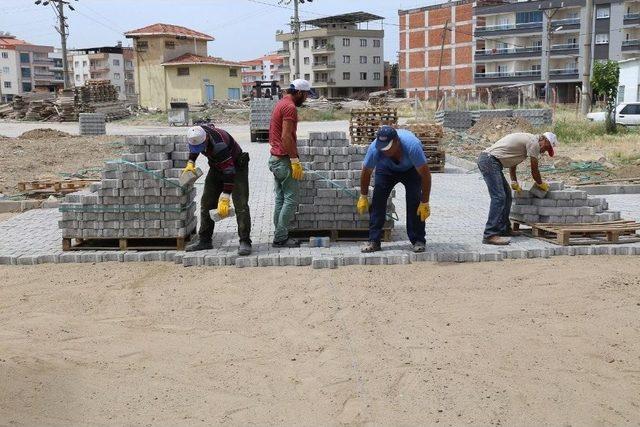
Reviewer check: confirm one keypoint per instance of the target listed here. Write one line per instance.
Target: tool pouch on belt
(242, 161)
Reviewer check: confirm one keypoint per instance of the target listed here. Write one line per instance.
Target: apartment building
(265, 68)
(113, 63)
(26, 68)
(423, 36)
(339, 54)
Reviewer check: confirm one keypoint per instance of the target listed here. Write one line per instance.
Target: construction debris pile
(365, 123)
(492, 129)
(561, 205)
(430, 135)
(331, 184)
(139, 196)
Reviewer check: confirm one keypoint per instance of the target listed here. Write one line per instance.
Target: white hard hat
(552, 138)
(196, 135)
(304, 86)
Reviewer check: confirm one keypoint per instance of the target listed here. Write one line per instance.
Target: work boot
(371, 247)
(288, 243)
(244, 249)
(419, 247)
(511, 233)
(495, 240)
(200, 245)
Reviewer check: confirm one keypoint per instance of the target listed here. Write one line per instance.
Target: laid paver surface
(459, 207)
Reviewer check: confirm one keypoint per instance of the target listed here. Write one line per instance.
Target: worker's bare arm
(535, 171)
(512, 173)
(365, 179)
(287, 139)
(425, 174)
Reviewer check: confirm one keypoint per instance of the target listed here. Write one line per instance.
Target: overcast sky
(243, 29)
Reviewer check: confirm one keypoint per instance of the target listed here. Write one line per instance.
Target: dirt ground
(529, 342)
(28, 159)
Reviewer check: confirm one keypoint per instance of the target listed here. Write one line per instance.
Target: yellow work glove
(191, 167)
(424, 211)
(223, 205)
(296, 169)
(363, 205)
(543, 186)
(516, 187)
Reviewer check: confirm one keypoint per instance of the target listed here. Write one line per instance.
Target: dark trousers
(500, 192)
(240, 195)
(385, 180)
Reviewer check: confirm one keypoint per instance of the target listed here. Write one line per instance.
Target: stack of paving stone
(328, 205)
(478, 115)
(458, 120)
(139, 196)
(92, 124)
(561, 206)
(365, 122)
(430, 135)
(536, 116)
(260, 114)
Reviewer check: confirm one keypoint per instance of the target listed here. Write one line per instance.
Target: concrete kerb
(604, 189)
(17, 206)
(461, 163)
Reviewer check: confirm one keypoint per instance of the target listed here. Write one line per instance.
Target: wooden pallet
(47, 187)
(355, 234)
(597, 233)
(124, 244)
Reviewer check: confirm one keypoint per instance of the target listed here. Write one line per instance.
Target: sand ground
(528, 342)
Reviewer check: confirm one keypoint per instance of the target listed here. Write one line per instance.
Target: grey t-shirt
(514, 148)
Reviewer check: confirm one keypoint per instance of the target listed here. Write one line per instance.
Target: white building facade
(103, 63)
(629, 82)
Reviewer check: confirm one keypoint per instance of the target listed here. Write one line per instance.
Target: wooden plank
(125, 244)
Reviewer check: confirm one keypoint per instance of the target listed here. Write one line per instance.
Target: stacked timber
(430, 135)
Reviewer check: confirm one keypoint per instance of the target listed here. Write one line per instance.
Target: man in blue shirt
(396, 156)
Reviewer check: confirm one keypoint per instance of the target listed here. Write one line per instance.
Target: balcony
(631, 19)
(515, 76)
(285, 69)
(526, 27)
(98, 69)
(631, 45)
(324, 66)
(566, 24)
(283, 52)
(518, 52)
(324, 48)
(564, 49)
(563, 74)
(329, 82)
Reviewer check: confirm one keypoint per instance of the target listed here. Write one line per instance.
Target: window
(183, 71)
(621, 94)
(376, 59)
(25, 72)
(602, 12)
(501, 70)
(128, 76)
(376, 76)
(305, 43)
(116, 76)
(77, 64)
(307, 77)
(363, 42)
(142, 45)
(376, 43)
(572, 41)
(117, 88)
(602, 38)
(363, 76)
(169, 44)
(233, 72)
(84, 63)
(346, 59)
(631, 109)
(346, 76)
(528, 17)
(536, 67)
(6, 70)
(26, 87)
(638, 93)
(363, 59)
(116, 62)
(5, 55)
(129, 64)
(24, 58)
(233, 93)
(86, 76)
(7, 85)
(346, 42)
(305, 60)
(77, 77)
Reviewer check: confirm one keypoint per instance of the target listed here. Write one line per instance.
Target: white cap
(552, 138)
(196, 135)
(304, 86)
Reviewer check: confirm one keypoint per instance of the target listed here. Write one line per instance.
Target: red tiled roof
(168, 29)
(10, 42)
(190, 58)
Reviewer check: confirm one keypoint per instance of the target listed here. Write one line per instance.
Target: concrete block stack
(139, 196)
(561, 205)
(260, 114)
(536, 116)
(458, 120)
(477, 115)
(323, 206)
(92, 124)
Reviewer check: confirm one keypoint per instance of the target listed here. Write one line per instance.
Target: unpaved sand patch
(528, 342)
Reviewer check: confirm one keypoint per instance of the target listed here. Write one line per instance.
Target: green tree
(604, 82)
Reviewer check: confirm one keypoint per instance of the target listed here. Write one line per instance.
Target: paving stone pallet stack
(260, 118)
(561, 205)
(365, 122)
(478, 115)
(92, 124)
(458, 120)
(96, 91)
(325, 206)
(139, 196)
(536, 116)
(430, 134)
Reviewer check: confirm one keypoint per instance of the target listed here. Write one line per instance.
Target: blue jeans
(500, 192)
(286, 196)
(385, 180)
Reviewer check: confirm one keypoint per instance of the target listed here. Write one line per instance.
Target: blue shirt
(412, 154)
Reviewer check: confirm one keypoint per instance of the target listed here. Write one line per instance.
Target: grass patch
(311, 115)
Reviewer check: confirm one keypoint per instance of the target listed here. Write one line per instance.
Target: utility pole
(296, 34)
(62, 30)
(585, 103)
(444, 36)
(547, 86)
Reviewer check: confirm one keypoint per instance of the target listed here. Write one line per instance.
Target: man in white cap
(509, 152)
(284, 162)
(228, 178)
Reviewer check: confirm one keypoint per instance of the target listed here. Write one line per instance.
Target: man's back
(285, 109)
